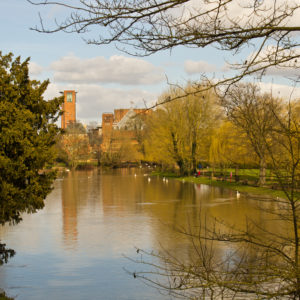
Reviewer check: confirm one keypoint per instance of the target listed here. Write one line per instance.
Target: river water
(76, 247)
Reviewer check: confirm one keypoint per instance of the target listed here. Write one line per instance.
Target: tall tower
(69, 109)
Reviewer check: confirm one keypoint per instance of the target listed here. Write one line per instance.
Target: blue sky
(104, 77)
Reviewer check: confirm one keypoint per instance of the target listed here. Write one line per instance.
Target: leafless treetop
(270, 28)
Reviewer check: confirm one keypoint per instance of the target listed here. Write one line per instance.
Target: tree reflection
(227, 254)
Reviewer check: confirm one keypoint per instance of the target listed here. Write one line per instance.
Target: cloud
(280, 90)
(192, 67)
(35, 69)
(116, 69)
(288, 62)
(239, 11)
(284, 71)
(93, 100)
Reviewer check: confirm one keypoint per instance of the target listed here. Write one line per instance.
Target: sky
(104, 77)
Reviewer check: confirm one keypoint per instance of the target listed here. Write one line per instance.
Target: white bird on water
(238, 194)
(149, 179)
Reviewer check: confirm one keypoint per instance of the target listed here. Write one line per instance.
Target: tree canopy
(269, 29)
(27, 137)
(179, 132)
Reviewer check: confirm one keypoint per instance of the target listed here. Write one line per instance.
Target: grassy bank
(238, 186)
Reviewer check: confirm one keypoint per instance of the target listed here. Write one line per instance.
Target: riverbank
(89, 165)
(237, 186)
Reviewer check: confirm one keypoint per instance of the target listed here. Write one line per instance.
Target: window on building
(69, 97)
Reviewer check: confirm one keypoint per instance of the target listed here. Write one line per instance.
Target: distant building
(119, 126)
(69, 109)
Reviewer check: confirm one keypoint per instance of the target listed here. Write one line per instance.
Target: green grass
(60, 165)
(236, 186)
(165, 174)
(249, 175)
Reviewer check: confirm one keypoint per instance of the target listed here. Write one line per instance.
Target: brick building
(120, 126)
(69, 109)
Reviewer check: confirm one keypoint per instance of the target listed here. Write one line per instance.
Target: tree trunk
(180, 164)
(179, 160)
(194, 163)
(262, 172)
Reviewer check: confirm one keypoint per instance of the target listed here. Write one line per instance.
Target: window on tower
(69, 97)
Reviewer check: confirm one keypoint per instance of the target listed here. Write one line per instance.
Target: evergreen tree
(27, 137)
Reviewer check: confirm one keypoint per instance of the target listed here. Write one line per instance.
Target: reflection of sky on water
(73, 248)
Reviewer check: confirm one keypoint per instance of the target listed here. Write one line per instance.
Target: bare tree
(268, 29)
(253, 113)
(75, 144)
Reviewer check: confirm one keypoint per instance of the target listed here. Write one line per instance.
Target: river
(76, 247)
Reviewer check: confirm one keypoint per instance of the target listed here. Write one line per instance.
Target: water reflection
(69, 200)
(94, 217)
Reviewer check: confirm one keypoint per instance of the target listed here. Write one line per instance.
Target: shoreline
(237, 186)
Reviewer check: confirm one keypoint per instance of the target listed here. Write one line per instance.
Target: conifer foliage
(27, 136)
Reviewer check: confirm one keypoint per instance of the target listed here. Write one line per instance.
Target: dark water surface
(74, 248)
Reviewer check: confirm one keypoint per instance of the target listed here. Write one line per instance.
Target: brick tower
(69, 109)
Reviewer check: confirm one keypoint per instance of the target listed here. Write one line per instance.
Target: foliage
(73, 145)
(121, 148)
(229, 147)
(179, 132)
(95, 140)
(75, 128)
(4, 297)
(5, 253)
(27, 137)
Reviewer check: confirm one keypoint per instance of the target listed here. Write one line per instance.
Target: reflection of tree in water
(121, 191)
(201, 233)
(233, 248)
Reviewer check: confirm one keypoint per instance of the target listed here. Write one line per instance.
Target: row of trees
(245, 127)
(78, 145)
